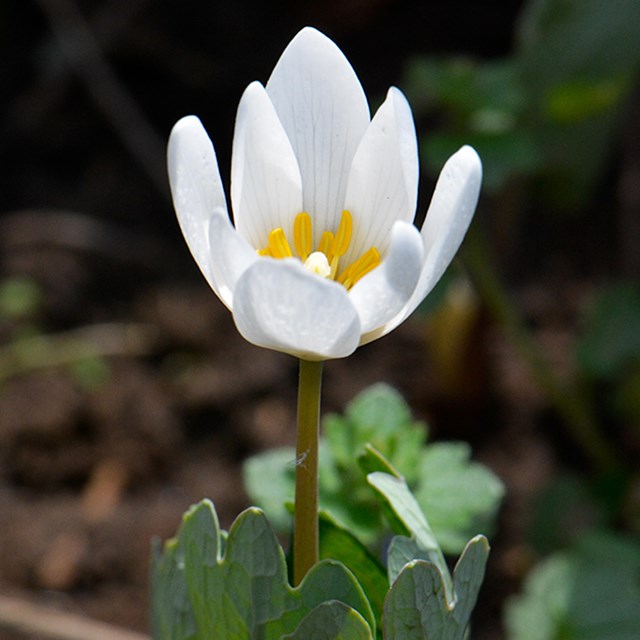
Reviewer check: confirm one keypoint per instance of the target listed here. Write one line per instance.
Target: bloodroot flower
(324, 255)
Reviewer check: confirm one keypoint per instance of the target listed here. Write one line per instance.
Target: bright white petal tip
(383, 179)
(195, 186)
(324, 111)
(266, 189)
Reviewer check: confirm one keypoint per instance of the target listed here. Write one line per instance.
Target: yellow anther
(325, 244)
(325, 261)
(302, 236)
(358, 269)
(343, 235)
(278, 245)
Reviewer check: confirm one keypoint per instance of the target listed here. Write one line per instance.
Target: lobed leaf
(418, 606)
(332, 621)
(409, 519)
(239, 589)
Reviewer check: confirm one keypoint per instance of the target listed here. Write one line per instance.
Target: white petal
(279, 305)
(266, 190)
(324, 111)
(448, 218)
(195, 186)
(384, 292)
(383, 180)
(231, 255)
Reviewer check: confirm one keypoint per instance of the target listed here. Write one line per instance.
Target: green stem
(575, 410)
(305, 526)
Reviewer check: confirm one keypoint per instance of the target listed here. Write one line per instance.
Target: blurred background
(125, 392)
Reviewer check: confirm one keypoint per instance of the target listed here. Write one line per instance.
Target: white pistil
(317, 263)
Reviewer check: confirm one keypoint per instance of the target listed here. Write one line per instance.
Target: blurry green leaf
(611, 339)
(558, 39)
(459, 497)
(477, 103)
(270, 479)
(378, 416)
(371, 460)
(241, 591)
(578, 60)
(378, 433)
(91, 373)
(564, 510)
(332, 621)
(19, 297)
(589, 592)
(418, 608)
(579, 99)
(466, 88)
(504, 155)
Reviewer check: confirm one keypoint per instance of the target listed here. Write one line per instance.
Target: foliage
(204, 587)
(588, 592)
(206, 583)
(459, 497)
(550, 110)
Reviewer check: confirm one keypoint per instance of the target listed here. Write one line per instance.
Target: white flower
(324, 256)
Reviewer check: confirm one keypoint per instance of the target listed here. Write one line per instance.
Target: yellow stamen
(324, 262)
(334, 267)
(302, 236)
(358, 269)
(278, 245)
(343, 235)
(325, 244)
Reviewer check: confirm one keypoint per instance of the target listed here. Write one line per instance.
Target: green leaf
(380, 417)
(171, 612)
(578, 61)
(239, 590)
(409, 519)
(338, 543)
(460, 498)
(417, 606)
(468, 575)
(378, 433)
(402, 551)
(269, 479)
(371, 460)
(332, 621)
(588, 592)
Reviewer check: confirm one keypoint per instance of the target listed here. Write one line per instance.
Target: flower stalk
(305, 527)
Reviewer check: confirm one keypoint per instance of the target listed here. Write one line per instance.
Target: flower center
(325, 260)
